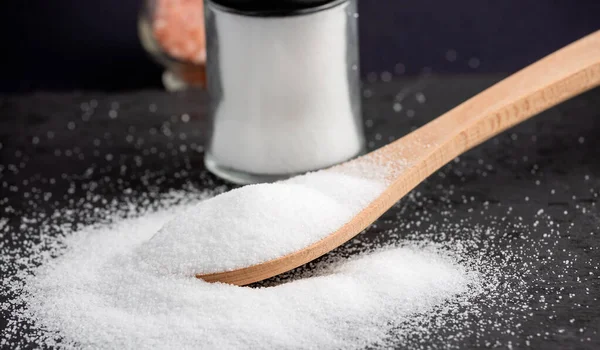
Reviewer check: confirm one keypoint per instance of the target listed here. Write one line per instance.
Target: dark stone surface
(58, 144)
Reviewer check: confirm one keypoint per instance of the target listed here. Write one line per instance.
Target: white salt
(258, 223)
(286, 100)
(98, 294)
(92, 287)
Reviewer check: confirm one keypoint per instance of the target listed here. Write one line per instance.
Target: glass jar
(172, 31)
(284, 83)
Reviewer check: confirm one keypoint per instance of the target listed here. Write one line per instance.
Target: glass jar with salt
(284, 83)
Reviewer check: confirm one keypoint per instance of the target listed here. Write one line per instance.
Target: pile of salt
(257, 223)
(99, 294)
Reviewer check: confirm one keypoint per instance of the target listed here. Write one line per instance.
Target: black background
(70, 44)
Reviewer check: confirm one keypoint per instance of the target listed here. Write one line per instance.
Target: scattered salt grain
(474, 62)
(399, 68)
(451, 55)
(386, 77)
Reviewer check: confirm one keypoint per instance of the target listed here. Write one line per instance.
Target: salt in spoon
(408, 161)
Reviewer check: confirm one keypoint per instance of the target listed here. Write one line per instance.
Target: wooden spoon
(409, 160)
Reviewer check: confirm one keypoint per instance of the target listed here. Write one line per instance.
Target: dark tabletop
(536, 186)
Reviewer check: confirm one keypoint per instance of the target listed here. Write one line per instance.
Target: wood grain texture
(540, 86)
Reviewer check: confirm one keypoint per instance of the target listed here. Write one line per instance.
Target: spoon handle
(408, 161)
(540, 86)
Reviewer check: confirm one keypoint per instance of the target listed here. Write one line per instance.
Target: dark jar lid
(273, 8)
